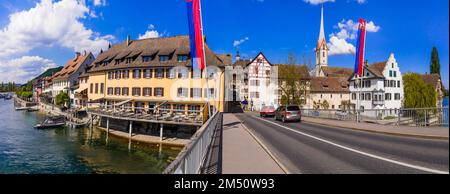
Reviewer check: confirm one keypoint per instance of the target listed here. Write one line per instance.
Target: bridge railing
(192, 158)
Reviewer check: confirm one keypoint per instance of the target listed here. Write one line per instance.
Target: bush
(62, 99)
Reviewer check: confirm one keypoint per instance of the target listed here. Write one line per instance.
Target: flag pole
(204, 60)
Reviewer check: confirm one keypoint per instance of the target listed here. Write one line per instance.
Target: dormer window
(146, 59)
(183, 58)
(163, 58)
(129, 60)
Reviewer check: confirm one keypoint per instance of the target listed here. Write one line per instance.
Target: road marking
(357, 151)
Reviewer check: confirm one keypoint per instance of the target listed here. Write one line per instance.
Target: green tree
(325, 105)
(291, 85)
(435, 66)
(62, 99)
(418, 94)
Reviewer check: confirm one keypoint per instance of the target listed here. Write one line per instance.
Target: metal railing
(417, 117)
(192, 158)
(157, 114)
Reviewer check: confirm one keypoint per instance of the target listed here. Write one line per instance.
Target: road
(316, 149)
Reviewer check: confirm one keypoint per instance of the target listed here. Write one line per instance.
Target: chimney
(77, 54)
(109, 46)
(101, 51)
(85, 53)
(128, 40)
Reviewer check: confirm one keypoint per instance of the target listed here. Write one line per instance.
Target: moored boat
(52, 122)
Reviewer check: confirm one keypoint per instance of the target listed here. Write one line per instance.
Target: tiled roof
(153, 47)
(329, 85)
(432, 79)
(337, 72)
(377, 68)
(71, 66)
(242, 63)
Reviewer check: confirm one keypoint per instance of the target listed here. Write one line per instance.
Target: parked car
(267, 111)
(289, 113)
(341, 114)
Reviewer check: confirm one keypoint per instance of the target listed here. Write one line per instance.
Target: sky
(39, 34)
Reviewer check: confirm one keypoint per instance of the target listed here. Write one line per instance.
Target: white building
(66, 79)
(260, 84)
(382, 87)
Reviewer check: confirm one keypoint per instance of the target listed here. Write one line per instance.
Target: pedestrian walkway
(242, 154)
(423, 132)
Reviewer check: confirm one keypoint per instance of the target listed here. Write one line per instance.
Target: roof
(337, 72)
(48, 73)
(329, 85)
(72, 66)
(242, 63)
(301, 70)
(377, 68)
(153, 47)
(432, 79)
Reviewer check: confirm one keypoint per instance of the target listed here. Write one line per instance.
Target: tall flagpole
(204, 59)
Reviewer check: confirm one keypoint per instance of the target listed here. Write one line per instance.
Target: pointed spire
(322, 30)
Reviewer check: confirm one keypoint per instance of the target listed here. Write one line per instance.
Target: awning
(80, 90)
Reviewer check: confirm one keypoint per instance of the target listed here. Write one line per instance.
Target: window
(96, 88)
(146, 59)
(331, 96)
(196, 73)
(147, 91)
(196, 92)
(171, 73)
(254, 94)
(110, 75)
(354, 96)
(398, 84)
(392, 83)
(211, 92)
(102, 88)
(110, 91)
(129, 60)
(117, 91)
(390, 73)
(183, 74)
(137, 74)
(368, 96)
(159, 73)
(388, 96)
(395, 73)
(125, 74)
(117, 74)
(397, 96)
(91, 89)
(194, 108)
(136, 91)
(163, 58)
(125, 91)
(254, 82)
(211, 73)
(182, 92)
(362, 97)
(182, 58)
(392, 65)
(159, 92)
(332, 107)
(148, 73)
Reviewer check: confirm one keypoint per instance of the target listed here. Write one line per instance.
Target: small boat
(52, 122)
(32, 109)
(22, 108)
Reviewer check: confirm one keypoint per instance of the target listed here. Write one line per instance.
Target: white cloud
(348, 30)
(237, 43)
(50, 24)
(22, 69)
(99, 2)
(151, 33)
(47, 25)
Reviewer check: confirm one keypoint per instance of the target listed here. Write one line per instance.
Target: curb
(384, 132)
(283, 168)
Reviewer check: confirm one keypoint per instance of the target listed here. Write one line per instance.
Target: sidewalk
(421, 132)
(242, 154)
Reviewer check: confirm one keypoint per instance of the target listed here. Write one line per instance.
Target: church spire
(322, 30)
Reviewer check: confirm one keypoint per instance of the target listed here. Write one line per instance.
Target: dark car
(289, 113)
(267, 111)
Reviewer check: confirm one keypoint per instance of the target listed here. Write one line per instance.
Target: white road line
(357, 151)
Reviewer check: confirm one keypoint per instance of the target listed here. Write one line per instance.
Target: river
(25, 150)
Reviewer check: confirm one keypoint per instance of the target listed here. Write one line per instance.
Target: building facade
(156, 72)
(67, 79)
(381, 88)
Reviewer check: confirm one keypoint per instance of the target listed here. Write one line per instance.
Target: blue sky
(274, 27)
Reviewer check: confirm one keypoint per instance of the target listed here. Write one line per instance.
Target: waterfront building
(156, 73)
(382, 87)
(329, 93)
(436, 82)
(66, 80)
(40, 83)
(260, 84)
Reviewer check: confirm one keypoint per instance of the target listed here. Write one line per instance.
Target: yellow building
(156, 73)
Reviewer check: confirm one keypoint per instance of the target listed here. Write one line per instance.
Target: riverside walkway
(242, 153)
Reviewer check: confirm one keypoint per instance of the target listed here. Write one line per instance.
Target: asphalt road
(316, 149)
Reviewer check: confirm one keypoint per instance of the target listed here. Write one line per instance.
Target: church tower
(321, 48)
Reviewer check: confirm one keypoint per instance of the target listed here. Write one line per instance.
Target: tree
(292, 86)
(418, 94)
(62, 99)
(346, 105)
(435, 66)
(325, 105)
